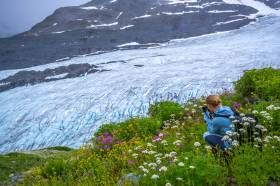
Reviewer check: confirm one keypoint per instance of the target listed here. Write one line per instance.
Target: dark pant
(214, 140)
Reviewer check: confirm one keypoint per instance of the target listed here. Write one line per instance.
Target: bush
(262, 84)
(60, 148)
(138, 127)
(164, 110)
(56, 167)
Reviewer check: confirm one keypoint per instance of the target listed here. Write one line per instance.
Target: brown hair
(213, 100)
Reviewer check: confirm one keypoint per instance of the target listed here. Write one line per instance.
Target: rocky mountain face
(106, 25)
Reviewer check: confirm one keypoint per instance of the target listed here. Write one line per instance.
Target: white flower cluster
(272, 107)
(260, 127)
(177, 142)
(266, 115)
(197, 144)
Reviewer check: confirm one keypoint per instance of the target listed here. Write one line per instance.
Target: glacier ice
(67, 112)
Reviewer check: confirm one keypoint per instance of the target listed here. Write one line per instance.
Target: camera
(204, 108)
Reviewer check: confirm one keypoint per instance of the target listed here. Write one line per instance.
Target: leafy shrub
(252, 167)
(60, 148)
(164, 110)
(138, 127)
(55, 168)
(263, 84)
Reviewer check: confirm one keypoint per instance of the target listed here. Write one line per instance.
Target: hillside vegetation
(167, 147)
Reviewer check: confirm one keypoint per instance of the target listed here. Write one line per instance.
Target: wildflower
(255, 112)
(178, 142)
(159, 154)
(235, 143)
(246, 123)
(145, 170)
(145, 151)
(242, 130)
(130, 162)
(163, 168)
(175, 160)
(129, 151)
(181, 164)
(179, 179)
(270, 107)
(164, 142)
(207, 147)
(191, 167)
(277, 138)
(151, 152)
(235, 121)
(232, 117)
(173, 153)
(150, 145)
(141, 167)
(226, 137)
(134, 155)
(197, 144)
(160, 134)
(229, 133)
(168, 184)
(152, 164)
(242, 115)
(158, 161)
(186, 158)
(276, 108)
(154, 176)
(175, 126)
(236, 105)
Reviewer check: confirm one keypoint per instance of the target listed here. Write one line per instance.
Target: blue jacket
(219, 125)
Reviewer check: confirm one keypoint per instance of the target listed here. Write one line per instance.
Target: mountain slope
(103, 25)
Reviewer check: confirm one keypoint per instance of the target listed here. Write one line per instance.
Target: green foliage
(60, 148)
(165, 110)
(14, 163)
(55, 167)
(260, 84)
(251, 166)
(138, 127)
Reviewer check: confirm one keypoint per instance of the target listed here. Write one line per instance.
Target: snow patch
(129, 44)
(259, 6)
(104, 25)
(89, 8)
(125, 27)
(178, 13)
(59, 32)
(57, 76)
(171, 2)
(141, 17)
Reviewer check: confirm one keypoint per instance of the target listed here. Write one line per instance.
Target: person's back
(217, 119)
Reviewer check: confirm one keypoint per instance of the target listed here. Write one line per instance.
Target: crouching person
(218, 123)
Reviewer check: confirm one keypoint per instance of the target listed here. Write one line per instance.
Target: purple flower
(130, 162)
(99, 138)
(106, 147)
(236, 105)
(246, 100)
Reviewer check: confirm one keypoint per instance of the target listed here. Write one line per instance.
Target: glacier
(68, 112)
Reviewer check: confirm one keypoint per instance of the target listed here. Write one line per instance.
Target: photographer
(218, 123)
